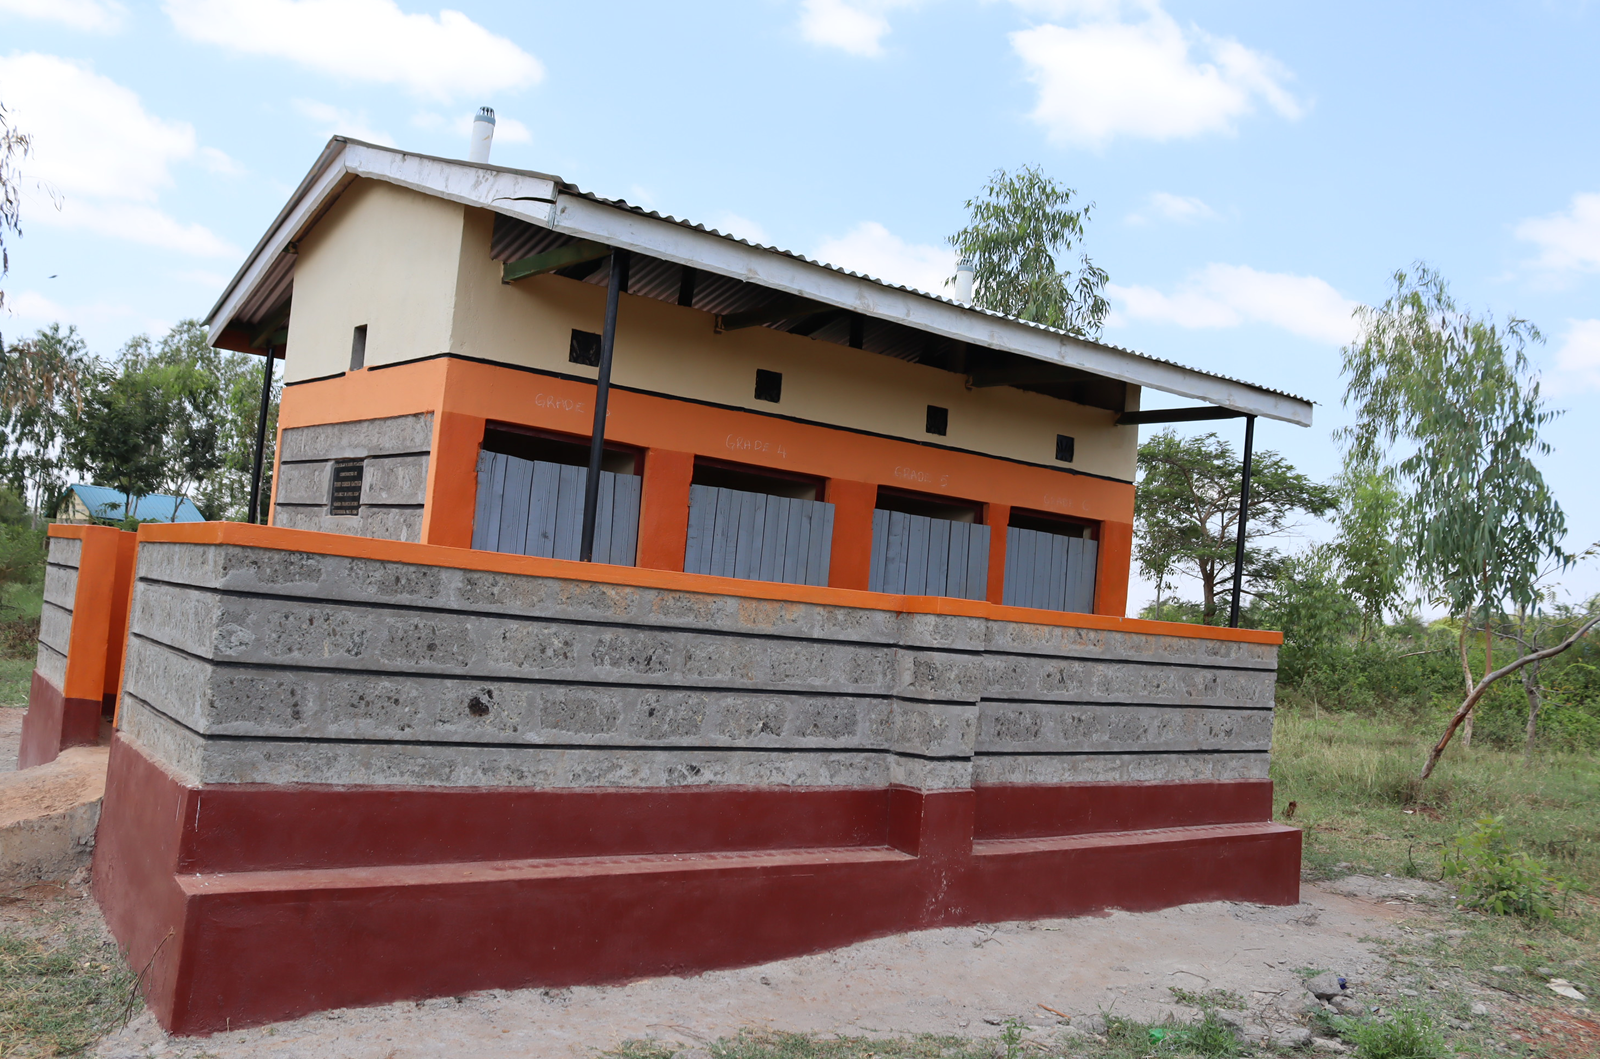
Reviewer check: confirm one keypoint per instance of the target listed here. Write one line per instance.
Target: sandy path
(10, 736)
(944, 981)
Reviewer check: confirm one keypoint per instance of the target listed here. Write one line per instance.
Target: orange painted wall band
(646, 421)
(776, 594)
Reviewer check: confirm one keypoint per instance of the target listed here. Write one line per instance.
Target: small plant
(1211, 998)
(1210, 1037)
(1011, 1037)
(1495, 878)
(1407, 1035)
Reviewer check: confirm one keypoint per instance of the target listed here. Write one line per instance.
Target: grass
(61, 987)
(19, 632)
(1353, 782)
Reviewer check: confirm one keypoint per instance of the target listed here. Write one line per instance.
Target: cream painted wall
(674, 350)
(416, 270)
(383, 256)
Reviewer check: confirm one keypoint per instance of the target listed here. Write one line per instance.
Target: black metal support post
(261, 439)
(597, 442)
(1244, 517)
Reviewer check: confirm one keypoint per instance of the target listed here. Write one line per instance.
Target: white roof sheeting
(262, 283)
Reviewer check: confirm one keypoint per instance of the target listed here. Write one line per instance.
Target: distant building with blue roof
(98, 503)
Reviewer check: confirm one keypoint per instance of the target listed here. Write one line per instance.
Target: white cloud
(871, 248)
(220, 163)
(99, 155)
(1567, 241)
(1579, 355)
(332, 121)
(729, 223)
(32, 310)
(441, 57)
(854, 26)
(1231, 295)
(506, 130)
(96, 16)
(1107, 75)
(1165, 206)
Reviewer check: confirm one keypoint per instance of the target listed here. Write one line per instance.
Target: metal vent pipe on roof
(482, 135)
(964, 278)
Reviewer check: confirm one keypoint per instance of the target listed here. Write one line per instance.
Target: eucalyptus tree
(14, 146)
(42, 380)
(1186, 512)
(1449, 401)
(1021, 226)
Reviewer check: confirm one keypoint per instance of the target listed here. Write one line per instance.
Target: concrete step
(48, 815)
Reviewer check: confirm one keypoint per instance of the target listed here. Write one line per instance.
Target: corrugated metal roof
(623, 204)
(105, 503)
(959, 349)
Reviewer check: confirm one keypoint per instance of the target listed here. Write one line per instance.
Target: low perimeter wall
(82, 626)
(353, 771)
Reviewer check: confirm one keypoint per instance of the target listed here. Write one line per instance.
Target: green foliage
(168, 416)
(1022, 223)
(1458, 397)
(1209, 998)
(14, 146)
(1404, 1035)
(1368, 552)
(1497, 879)
(1186, 512)
(41, 397)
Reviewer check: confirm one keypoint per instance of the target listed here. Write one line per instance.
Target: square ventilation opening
(938, 420)
(769, 385)
(585, 348)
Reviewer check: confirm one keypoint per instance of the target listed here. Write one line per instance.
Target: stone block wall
(395, 455)
(255, 665)
(55, 616)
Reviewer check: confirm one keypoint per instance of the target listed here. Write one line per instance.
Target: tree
(41, 397)
(1021, 224)
(14, 146)
(1368, 551)
(1456, 395)
(119, 438)
(1186, 512)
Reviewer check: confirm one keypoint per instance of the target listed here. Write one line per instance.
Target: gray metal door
(733, 533)
(1049, 571)
(920, 556)
(529, 507)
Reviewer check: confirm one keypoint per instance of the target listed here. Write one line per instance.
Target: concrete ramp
(48, 814)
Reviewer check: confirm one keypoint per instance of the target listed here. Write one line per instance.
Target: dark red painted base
(54, 722)
(252, 904)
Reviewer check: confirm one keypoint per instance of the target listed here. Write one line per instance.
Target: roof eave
(548, 201)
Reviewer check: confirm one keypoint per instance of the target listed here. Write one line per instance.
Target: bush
(1407, 1035)
(1496, 879)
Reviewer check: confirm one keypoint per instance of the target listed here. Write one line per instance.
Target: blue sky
(1257, 169)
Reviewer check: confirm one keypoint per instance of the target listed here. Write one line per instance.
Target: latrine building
(854, 624)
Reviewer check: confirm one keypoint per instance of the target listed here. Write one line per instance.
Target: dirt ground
(10, 737)
(964, 981)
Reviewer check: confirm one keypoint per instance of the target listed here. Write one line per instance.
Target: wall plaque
(347, 477)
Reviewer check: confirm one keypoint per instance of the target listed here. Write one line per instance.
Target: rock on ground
(966, 981)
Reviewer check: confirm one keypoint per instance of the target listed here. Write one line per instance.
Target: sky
(1257, 170)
